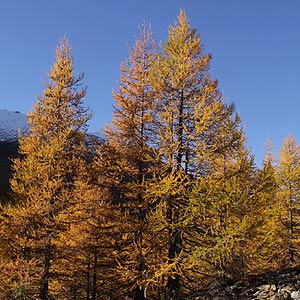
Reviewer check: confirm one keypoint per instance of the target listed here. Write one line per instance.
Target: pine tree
(45, 176)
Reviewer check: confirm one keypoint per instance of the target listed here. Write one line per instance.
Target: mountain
(10, 123)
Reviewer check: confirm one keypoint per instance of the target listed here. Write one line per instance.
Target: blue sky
(255, 46)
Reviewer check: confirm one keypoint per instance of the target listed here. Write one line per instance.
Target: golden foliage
(168, 203)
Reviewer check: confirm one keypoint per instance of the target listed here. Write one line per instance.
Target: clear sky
(255, 46)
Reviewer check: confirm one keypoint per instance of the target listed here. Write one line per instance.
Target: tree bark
(44, 288)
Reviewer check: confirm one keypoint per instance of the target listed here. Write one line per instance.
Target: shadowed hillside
(8, 150)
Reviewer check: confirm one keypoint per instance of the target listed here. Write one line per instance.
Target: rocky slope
(283, 284)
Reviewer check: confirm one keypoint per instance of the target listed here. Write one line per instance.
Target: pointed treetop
(269, 156)
(145, 31)
(60, 108)
(63, 64)
(181, 29)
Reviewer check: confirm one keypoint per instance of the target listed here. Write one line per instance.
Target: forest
(169, 201)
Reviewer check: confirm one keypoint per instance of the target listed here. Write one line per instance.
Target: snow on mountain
(10, 123)
(97, 134)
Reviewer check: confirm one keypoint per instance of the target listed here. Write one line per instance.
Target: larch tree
(219, 217)
(266, 251)
(288, 176)
(87, 258)
(126, 160)
(51, 166)
(192, 125)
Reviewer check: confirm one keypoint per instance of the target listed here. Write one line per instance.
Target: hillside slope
(11, 122)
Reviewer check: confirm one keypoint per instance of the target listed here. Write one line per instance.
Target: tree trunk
(173, 283)
(44, 288)
(291, 250)
(94, 290)
(175, 242)
(88, 279)
(139, 294)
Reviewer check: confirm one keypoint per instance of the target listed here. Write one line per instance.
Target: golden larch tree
(53, 156)
(266, 251)
(193, 125)
(126, 160)
(288, 176)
